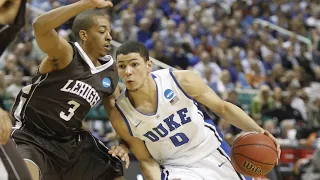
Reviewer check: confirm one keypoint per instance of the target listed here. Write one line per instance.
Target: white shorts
(216, 166)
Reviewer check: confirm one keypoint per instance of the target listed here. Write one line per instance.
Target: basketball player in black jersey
(71, 79)
(12, 19)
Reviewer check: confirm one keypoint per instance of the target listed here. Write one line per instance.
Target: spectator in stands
(277, 96)
(183, 36)
(261, 102)
(254, 76)
(13, 89)
(271, 126)
(178, 57)
(160, 53)
(225, 79)
(168, 34)
(10, 64)
(126, 31)
(144, 33)
(285, 111)
(205, 61)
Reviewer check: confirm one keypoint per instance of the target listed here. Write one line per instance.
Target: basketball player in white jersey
(158, 116)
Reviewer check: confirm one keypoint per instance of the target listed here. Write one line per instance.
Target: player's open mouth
(107, 47)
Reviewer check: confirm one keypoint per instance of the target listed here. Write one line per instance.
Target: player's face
(99, 37)
(133, 70)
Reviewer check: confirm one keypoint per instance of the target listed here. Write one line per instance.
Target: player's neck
(148, 92)
(92, 58)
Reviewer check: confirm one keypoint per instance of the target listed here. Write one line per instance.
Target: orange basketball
(253, 154)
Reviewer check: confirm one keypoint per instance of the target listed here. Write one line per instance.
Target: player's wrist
(87, 4)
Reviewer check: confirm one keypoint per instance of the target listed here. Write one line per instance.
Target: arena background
(262, 55)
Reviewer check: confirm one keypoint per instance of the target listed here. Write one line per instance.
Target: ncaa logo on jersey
(168, 93)
(106, 82)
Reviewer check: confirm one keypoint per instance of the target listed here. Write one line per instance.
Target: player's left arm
(109, 101)
(193, 85)
(121, 150)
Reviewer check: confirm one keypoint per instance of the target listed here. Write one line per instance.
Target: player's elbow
(39, 25)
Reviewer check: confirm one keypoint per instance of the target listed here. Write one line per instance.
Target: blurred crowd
(275, 77)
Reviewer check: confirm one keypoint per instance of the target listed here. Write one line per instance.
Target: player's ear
(149, 65)
(83, 35)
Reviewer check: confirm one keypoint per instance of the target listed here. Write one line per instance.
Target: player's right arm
(150, 167)
(59, 51)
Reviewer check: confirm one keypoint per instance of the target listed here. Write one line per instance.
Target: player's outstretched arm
(5, 127)
(57, 48)
(206, 96)
(150, 168)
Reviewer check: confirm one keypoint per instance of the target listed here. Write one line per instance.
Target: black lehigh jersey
(57, 102)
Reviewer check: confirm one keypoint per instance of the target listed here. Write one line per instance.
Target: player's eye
(135, 64)
(121, 66)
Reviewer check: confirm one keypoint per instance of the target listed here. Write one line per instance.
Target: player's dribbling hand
(276, 142)
(121, 152)
(100, 3)
(5, 126)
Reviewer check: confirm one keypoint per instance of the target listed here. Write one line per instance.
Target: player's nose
(128, 71)
(108, 36)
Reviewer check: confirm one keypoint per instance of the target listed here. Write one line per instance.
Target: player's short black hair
(84, 21)
(133, 47)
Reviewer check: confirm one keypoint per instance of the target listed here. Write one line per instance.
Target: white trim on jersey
(215, 131)
(103, 151)
(23, 102)
(25, 159)
(10, 162)
(94, 69)
(3, 171)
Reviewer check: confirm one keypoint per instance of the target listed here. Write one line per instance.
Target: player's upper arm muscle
(193, 85)
(136, 145)
(52, 44)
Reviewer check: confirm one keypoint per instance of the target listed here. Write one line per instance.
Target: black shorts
(12, 166)
(80, 157)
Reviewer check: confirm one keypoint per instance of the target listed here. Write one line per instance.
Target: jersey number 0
(74, 106)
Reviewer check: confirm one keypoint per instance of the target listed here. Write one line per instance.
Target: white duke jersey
(176, 134)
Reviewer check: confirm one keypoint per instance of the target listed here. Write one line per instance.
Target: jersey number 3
(74, 106)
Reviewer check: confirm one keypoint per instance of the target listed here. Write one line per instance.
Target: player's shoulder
(184, 75)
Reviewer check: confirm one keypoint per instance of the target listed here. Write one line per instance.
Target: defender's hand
(276, 142)
(122, 153)
(5, 126)
(100, 3)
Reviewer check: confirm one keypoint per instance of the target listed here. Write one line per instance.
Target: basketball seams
(253, 159)
(255, 145)
(241, 137)
(242, 150)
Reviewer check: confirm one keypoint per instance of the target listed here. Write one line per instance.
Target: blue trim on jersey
(153, 76)
(210, 121)
(162, 175)
(224, 145)
(175, 80)
(125, 119)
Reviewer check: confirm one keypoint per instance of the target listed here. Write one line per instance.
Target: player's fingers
(108, 4)
(117, 152)
(127, 160)
(111, 150)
